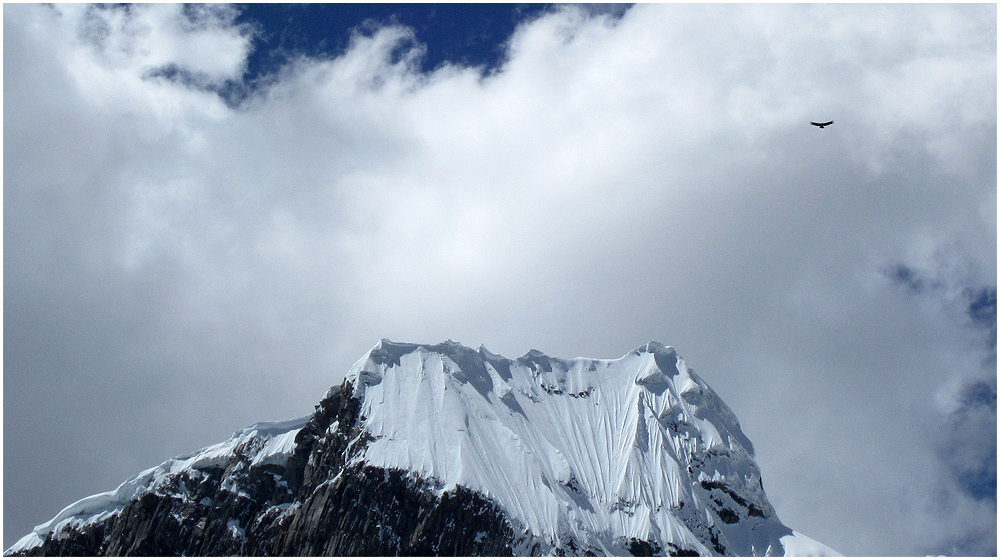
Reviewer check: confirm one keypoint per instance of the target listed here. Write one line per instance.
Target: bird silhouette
(821, 124)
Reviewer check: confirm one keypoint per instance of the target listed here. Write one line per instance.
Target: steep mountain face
(445, 450)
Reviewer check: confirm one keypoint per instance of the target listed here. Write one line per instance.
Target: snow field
(588, 450)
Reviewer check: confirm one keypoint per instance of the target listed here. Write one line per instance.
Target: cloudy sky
(209, 215)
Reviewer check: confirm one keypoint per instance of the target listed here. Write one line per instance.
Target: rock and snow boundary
(536, 455)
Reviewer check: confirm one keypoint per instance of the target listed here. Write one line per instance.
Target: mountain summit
(445, 450)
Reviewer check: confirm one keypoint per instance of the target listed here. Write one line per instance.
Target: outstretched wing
(821, 124)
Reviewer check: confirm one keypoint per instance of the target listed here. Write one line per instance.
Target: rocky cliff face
(348, 481)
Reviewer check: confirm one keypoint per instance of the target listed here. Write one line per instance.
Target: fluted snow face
(589, 450)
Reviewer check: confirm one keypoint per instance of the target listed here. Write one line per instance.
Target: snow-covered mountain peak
(595, 451)
(655, 368)
(445, 450)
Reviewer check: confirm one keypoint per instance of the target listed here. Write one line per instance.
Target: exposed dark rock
(369, 511)
(728, 516)
(643, 548)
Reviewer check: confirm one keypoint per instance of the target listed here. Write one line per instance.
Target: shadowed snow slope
(448, 450)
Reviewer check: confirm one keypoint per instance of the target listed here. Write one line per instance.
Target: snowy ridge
(269, 443)
(582, 451)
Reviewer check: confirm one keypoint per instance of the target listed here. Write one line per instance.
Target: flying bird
(821, 124)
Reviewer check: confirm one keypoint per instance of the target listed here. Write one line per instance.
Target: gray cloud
(177, 268)
(965, 436)
(966, 448)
